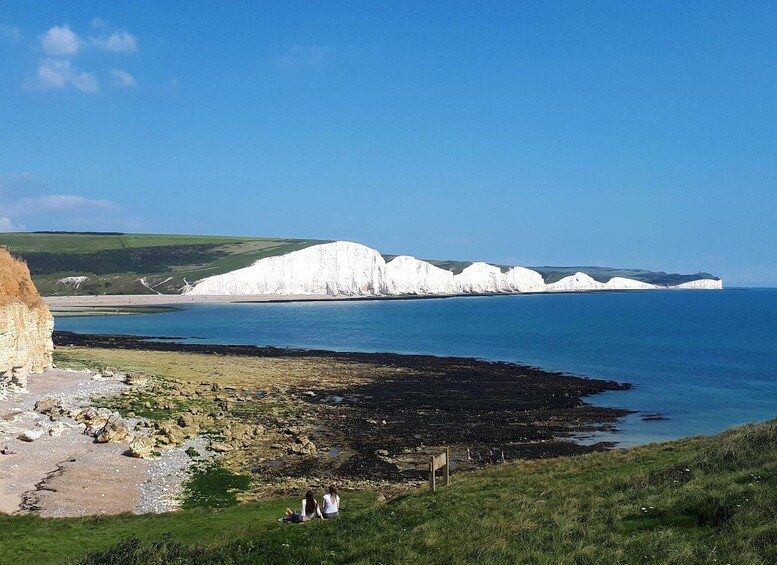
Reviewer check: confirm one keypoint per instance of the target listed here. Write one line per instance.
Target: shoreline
(370, 418)
(140, 300)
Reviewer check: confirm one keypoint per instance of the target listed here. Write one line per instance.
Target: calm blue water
(706, 360)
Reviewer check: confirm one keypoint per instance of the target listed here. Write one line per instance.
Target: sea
(699, 361)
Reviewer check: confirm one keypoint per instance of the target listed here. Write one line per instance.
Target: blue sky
(628, 134)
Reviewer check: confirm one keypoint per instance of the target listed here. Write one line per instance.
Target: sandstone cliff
(25, 324)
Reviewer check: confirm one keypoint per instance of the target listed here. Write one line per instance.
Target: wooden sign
(437, 462)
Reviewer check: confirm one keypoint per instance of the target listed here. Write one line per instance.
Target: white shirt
(305, 516)
(331, 506)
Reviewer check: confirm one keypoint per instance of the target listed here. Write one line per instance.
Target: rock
(381, 498)
(219, 447)
(170, 432)
(30, 435)
(57, 429)
(186, 421)
(107, 372)
(26, 325)
(49, 406)
(142, 446)
(136, 379)
(309, 393)
(114, 430)
(382, 453)
(303, 446)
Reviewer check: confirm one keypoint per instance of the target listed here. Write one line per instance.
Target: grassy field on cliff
(700, 500)
(114, 263)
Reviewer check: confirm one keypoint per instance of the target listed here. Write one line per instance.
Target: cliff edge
(25, 325)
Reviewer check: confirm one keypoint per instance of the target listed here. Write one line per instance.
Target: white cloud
(58, 73)
(7, 225)
(306, 55)
(122, 79)
(64, 202)
(60, 41)
(117, 42)
(10, 33)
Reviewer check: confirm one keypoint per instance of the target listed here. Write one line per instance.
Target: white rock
(702, 284)
(408, 275)
(30, 435)
(622, 283)
(575, 283)
(343, 268)
(481, 278)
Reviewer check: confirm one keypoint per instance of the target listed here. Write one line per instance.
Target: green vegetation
(212, 486)
(31, 540)
(603, 274)
(116, 263)
(700, 500)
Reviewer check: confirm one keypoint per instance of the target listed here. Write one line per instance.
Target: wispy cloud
(123, 79)
(10, 33)
(64, 202)
(61, 46)
(306, 55)
(27, 199)
(58, 73)
(7, 225)
(60, 41)
(118, 42)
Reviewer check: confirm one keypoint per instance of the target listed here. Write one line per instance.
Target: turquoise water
(706, 360)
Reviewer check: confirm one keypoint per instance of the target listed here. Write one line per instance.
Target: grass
(115, 263)
(41, 541)
(213, 486)
(700, 500)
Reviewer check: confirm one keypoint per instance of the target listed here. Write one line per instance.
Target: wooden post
(447, 466)
(431, 473)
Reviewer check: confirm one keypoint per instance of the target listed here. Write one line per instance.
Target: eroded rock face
(26, 324)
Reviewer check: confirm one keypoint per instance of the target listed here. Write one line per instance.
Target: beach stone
(186, 421)
(49, 406)
(57, 429)
(136, 379)
(142, 446)
(170, 432)
(303, 446)
(219, 447)
(114, 430)
(30, 435)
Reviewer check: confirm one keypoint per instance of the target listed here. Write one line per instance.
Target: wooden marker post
(437, 462)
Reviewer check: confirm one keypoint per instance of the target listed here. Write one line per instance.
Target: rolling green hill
(117, 263)
(699, 500)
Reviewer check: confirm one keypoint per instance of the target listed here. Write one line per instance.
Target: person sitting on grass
(310, 510)
(331, 504)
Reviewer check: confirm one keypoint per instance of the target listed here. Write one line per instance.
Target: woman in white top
(310, 508)
(331, 504)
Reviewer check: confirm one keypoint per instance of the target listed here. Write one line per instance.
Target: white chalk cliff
(343, 268)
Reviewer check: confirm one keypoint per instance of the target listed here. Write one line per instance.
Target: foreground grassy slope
(701, 500)
(116, 263)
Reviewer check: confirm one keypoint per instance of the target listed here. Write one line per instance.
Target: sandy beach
(106, 300)
(64, 472)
